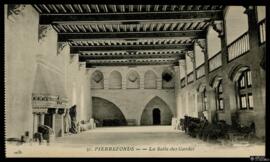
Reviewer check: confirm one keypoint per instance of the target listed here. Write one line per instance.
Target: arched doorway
(156, 112)
(107, 113)
(156, 116)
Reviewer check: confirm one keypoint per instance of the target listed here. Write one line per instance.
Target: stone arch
(236, 23)
(115, 80)
(201, 87)
(215, 81)
(150, 80)
(236, 71)
(167, 79)
(97, 80)
(133, 80)
(107, 113)
(156, 103)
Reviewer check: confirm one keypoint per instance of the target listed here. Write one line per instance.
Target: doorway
(156, 116)
(48, 120)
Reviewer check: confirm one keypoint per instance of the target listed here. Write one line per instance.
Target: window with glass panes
(219, 96)
(245, 91)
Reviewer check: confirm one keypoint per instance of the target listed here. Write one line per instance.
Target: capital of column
(190, 54)
(15, 9)
(61, 46)
(202, 44)
(218, 27)
(43, 32)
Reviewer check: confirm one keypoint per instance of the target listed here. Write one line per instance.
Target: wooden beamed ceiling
(110, 35)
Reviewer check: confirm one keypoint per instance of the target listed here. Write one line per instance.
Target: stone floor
(149, 141)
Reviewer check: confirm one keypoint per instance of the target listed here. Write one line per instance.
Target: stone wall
(27, 47)
(132, 102)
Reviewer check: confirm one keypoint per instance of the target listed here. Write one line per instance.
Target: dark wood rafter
(131, 17)
(77, 49)
(198, 34)
(129, 35)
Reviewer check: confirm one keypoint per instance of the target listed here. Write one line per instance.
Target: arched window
(219, 96)
(203, 97)
(244, 89)
(115, 81)
(150, 81)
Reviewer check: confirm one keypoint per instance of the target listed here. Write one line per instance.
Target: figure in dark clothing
(73, 113)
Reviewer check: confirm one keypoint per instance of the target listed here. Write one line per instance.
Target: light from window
(249, 80)
(242, 82)
(250, 99)
(243, 102)
(221, 107)
(220, 88)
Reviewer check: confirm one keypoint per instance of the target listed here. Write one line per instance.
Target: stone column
(159, 82)
(35, 122)
(182, 65)
(253, 27)
(42, 118)
(177, 78)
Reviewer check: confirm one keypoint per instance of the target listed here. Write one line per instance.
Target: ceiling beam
(63, 37)
(90, 65)
(77, 49)
(145, 56)
(130, 17)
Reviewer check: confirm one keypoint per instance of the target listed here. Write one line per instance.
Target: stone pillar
(177, 78)
(53, 122)
(159, 83)
(229, 99)
(203, 45)
(59, 123)
(211, 104)
(253, 27)
(35, 122)
(41, 118)
(182, 65)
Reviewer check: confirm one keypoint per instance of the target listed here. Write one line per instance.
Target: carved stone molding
(61, 46)
(15, 9)
(43, 31)
(97, 76)
(133, 76)
(82, 65)
(218, 27)
(202, 44)
(190, 54)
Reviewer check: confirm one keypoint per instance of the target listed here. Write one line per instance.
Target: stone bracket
(218, 27)
(43, 32)
(15, 9)
(202, 44)
(61, 46)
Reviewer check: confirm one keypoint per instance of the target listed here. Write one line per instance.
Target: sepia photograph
(135, 80)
